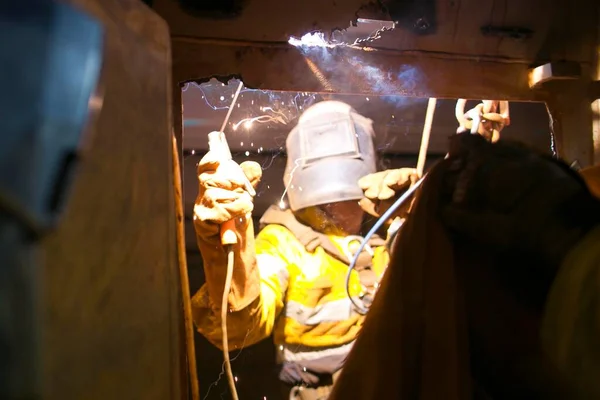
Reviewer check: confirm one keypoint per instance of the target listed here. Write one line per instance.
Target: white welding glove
(221, 197)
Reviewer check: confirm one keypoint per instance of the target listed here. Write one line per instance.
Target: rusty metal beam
(279, 66)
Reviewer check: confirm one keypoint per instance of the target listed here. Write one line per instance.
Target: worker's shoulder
(276, 233)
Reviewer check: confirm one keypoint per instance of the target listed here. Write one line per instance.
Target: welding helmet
(328, 151)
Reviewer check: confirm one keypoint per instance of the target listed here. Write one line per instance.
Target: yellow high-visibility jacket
(303, 300)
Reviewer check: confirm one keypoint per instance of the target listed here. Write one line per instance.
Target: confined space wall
(511, 30)
(111, 299)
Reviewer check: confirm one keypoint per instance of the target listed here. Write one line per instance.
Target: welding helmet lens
(329, 150)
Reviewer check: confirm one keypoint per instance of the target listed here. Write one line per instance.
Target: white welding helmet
(329, 150)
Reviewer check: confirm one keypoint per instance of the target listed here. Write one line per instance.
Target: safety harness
(311, 239)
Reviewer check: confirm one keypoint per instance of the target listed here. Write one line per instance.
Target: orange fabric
(413, 344)
(591, 176)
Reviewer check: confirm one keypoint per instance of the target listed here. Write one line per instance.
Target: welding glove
(591, 176)
(381, 189)
(221, 197)
(514, 200)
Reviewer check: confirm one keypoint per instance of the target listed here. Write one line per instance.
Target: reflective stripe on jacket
(303, 303)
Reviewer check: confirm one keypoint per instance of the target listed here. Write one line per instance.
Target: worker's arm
(255, 321)
(255, 297)
(383, 188)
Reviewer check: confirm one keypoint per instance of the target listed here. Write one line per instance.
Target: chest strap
(311, 239)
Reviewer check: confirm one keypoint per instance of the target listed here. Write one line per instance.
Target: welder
(290, 281)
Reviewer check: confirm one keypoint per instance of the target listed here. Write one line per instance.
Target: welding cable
(431, 104)
(14, 210)
(224, 308)
(397, 204)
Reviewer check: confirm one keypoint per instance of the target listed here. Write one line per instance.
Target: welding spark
(261, 119)
(270, 162)
(210, 85)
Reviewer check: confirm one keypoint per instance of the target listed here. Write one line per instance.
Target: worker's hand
(381, 189)
(515, 200)
(222, 195)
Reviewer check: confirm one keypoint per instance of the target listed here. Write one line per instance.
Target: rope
(484, 119)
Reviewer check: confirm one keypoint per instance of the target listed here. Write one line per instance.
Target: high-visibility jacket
(303, 300)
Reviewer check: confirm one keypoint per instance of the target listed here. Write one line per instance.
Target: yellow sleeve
(256, 321)
(571, 323)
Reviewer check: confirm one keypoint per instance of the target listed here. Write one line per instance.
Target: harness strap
(311, 239)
